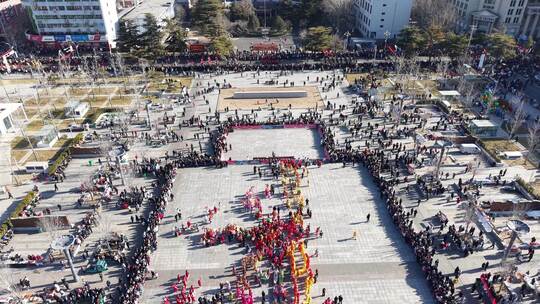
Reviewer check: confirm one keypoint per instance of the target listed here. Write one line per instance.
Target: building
(47, 137)
(60, 21)
(483, 128)
(531, 24)
(487, 15)
(13, 21)
(160, 9)
(381, 19)
(76, 109)
(7, 111)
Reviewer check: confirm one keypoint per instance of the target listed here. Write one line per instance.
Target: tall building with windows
(381, 19)
(531, 21)
(487, 15)
(80, 21)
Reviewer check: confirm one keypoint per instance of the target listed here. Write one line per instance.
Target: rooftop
(483, 123)
(154, 7)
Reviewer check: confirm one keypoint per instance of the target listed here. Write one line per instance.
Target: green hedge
(27, 200)
(67, 151)
(94, 114)
(528, 188)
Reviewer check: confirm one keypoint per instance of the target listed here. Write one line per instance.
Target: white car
(155, 107)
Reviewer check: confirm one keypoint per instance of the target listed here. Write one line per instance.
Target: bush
(27, 200)
(65, 154)
(528, 188)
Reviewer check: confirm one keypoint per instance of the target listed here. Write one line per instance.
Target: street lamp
(386, 36)
(63, 243)
(347, 35)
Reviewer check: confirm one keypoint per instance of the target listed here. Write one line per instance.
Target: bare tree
(517, 119)
(106, 146)
(340, 14)
(434, 13)
(104, 227)
(11, 285)
(533, 137)
(51, 226)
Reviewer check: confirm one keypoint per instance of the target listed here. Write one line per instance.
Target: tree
(517, 119)
(279, 25)
(311, 11)
(501, 46)
(150, 38)
(50, 225)
(176, 36)
(533, 137)
(208, 17)
(10, 285)
(411, 40)
(434, 38)
(242, 10)
(253, 23)
(127, 36)
(454, 45)
(318, 39)
(438, 13)
(222, 45)
(339, 14)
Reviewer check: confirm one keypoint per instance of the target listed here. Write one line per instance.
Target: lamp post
(517, 227)
(63, 243)
(386, 36)
(347, 35)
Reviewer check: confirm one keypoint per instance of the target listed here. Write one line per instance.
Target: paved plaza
(297, 142)
(378, 267)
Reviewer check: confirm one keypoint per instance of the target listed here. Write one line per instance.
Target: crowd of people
(137, 271)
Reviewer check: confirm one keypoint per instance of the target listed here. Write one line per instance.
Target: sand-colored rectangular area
(312, 99)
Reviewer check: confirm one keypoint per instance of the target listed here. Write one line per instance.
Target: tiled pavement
(378, 267)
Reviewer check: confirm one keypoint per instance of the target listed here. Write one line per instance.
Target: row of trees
(148, 40)
(434, 41)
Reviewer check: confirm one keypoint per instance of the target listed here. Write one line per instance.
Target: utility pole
(473, 28)
(264, 5)
(439, 163)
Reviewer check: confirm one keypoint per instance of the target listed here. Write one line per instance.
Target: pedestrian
(59, 207)
(324, 292)
(55, 187)
(263, 297)
(354, 235)
(367, 217)
(132, 219)
(101, 277)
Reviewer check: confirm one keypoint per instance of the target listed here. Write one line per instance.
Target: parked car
(75, 128)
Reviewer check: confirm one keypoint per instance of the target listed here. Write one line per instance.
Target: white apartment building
(486, 15)
(531, 21)
(381, 19)
(79, 21)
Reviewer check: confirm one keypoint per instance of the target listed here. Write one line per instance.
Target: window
(516, 20)
(521, 2)
(381, 26)
(513, 3)
(383, 13)
(382, 20)
(507, 20)
(518, 11)
(510, 12)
